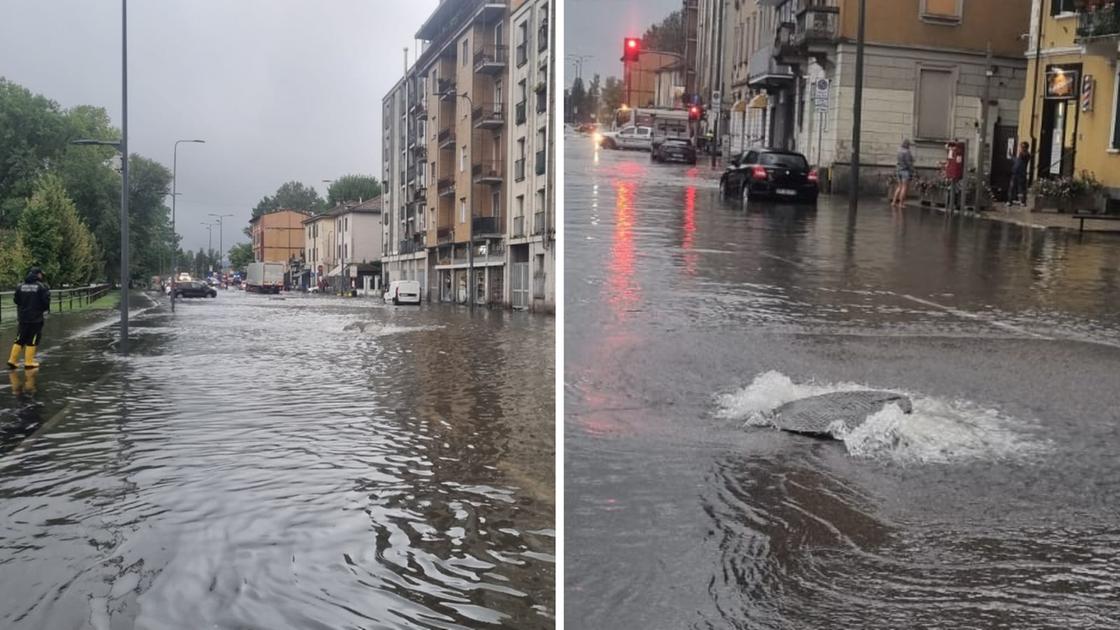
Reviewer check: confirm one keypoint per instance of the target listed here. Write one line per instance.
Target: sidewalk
(1019, 215)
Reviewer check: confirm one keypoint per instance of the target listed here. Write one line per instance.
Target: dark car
(770, 174)
(674, 150)
(194, 289)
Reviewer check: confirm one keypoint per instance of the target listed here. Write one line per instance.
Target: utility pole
(857, 109)
(124, 178)
(221, 243)
(982, 167)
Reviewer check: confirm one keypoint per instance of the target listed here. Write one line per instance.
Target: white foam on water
(937, 431)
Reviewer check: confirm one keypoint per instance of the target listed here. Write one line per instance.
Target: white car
(403, 292)
(636, 138)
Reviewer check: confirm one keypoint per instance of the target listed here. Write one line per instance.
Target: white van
(403, 292)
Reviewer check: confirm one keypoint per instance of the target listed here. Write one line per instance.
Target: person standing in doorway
(33, 301)
(904, 172)
(1017, 191)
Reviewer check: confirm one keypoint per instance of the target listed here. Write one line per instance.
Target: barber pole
(1087, 89)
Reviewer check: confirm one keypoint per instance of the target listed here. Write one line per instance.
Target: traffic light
(695, 112)
(631, 49)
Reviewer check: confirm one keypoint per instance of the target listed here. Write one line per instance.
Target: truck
(265, 277)
(645, 128)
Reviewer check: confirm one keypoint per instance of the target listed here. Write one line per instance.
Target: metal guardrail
(1100, 22)
(61, 299)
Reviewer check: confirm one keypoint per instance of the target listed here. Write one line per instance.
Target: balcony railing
(491, 59)
(519, 169)
(489, 116)
(488, 172)
(409, 247)
(519, 113)
(518, 227)
(1098, 22)
(817, 25)
(445, 88)
(538, 223)
(446, 138)
(446, 186)
(444, 235)
(540, 162)
(486, 226)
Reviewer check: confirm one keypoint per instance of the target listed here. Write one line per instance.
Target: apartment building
(319, 238)
(278, 236)
(925, 77)
(531, 220)
(1071, 107)
(405, 173)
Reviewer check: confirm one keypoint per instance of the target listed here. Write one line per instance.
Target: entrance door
(1004, 148)
(1051, 152)
(519, 284)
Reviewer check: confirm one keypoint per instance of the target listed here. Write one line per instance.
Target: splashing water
(937, 431)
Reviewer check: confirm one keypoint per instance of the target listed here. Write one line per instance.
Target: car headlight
(597, 138)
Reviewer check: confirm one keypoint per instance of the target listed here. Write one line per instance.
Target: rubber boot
(29, 362)
(13, 358)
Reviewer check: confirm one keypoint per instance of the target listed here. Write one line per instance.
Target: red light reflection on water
(688, 240)
(623, 292)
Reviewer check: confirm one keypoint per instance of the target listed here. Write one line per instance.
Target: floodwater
(690, 319)
(308, 462)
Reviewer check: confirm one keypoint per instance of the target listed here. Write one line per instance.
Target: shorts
(905, 175)
(30, 334)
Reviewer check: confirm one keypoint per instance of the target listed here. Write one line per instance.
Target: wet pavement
(689, 319)
(307, 462)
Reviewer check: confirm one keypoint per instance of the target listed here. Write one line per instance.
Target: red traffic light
(631, 49)
(694, 112)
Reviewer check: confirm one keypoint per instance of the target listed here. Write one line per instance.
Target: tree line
(60, 203)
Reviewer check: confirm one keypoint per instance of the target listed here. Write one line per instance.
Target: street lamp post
(174, 234)
(209, 238)
(221, 243)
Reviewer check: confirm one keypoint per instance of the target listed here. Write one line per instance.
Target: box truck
(265, 277)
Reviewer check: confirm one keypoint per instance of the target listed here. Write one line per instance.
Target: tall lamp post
(209, 238)
(174, 234)
(221, 243)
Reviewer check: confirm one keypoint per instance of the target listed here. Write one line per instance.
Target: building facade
(468, 119)
(278, 236)
(926, 73)
(1071, 107)
(531, 220)
(319, 237)
(640, 78)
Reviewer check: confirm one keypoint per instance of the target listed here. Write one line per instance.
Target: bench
(1085, 216)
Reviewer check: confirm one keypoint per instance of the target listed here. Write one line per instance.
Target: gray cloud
(597, 27)
(279, 89)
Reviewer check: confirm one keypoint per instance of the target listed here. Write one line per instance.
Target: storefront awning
(739, 107)
(760, 101)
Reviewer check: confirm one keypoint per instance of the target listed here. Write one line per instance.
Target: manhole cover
(814, 416)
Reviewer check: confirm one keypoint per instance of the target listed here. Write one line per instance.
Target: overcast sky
(279, 89)
(597, 27)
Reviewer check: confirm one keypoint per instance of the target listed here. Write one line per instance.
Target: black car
(195, 289)
(770, 174)
(674, 150)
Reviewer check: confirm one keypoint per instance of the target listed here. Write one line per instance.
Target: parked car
(195, 289)
(635, 138)
(674, 150)
(770, 174)
(403, 292)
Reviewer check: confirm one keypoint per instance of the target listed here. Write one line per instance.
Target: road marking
(979, 318)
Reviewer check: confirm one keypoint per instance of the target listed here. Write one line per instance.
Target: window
(521, 205)
(950, 11)
(466, 51)
(463, 210)
(1058, 7)
(1115, 144)
(463, 159)
(496, 203)
(934, 104)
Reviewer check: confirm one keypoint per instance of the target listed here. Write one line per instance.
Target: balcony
(518, 227)
(419, 195)
(488, 172)
(446, 186)
(542, 101)
(446, 139)
(410, 246)
(483, 227)
(445, 235)
(813, 33)
(542, 37)
(446, 89)
(419, 107)
(1099, 22)
(491, 59)
(540, 162)
(410, 174)
(538, 223)
(489, 116)
(519, 170)
(519, 113)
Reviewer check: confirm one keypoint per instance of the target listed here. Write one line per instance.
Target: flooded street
(690, 319)
(307, 462)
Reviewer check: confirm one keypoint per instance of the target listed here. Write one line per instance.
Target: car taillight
(759, 172)
(813, 177)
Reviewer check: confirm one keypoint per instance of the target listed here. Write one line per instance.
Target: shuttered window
(943, 10)
(935, 101)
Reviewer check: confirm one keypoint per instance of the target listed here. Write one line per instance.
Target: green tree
(291, 196)
(78, 260)
(14, 259)
(577, 102)
(240, 256)
(150, 238)
(613, 96)
(353, 188)
(591, 103)
(40, 225)
(667, 36)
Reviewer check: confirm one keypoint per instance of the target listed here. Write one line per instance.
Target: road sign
(821, 90)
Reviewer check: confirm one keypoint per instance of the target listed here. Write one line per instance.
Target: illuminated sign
(1061, 84)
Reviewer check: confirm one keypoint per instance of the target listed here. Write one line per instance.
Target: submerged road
(281, 463)
(690, 319)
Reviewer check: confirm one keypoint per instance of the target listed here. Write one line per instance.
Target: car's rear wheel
(745, 194)
(724, 189)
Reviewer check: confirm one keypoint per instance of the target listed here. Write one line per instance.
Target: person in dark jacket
(33, 301)
(1019, 168)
